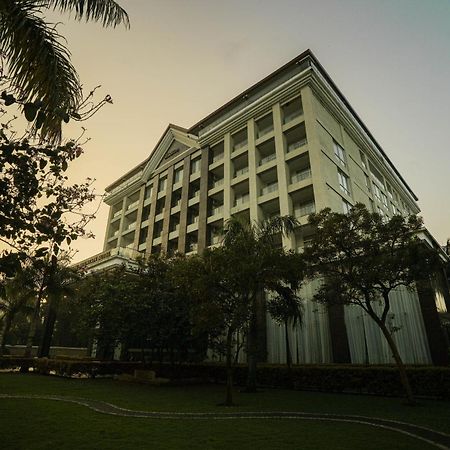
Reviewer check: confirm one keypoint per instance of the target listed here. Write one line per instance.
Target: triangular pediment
(173, 143)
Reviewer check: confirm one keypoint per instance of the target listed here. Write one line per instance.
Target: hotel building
(290, 144)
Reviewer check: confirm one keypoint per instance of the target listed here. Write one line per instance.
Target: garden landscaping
(40, 423)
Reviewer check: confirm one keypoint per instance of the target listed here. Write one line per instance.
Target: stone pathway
(436, 438)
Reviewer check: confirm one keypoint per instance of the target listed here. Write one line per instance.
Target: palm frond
(38, 63)
(275, 225)
(108, 12)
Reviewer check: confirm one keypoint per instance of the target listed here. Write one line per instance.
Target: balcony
(215, 239)
(117, 214)
(304, 209)
(300, 176)
(267, 159)
(269, 188)
(295, 145)
(132, 226)
(291, 116)
(217, 157)
(240, 172)
(265, 131)
(133, 205)
(217, 183)
(216, 210)
(240, 145)
(193, 247)
(242, 200)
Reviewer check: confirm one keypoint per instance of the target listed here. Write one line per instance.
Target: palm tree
(275, 270)
(16, 295)
(60, 284)
(286, 309)
(39, 72)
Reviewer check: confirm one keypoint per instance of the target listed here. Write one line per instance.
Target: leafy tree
(363, 258)
(39, 210)
(217, 283)
(39, 74)
(103, 298)
(60, 285)
(286, 308)
(269, 268)
(162, 318)
(16, 295)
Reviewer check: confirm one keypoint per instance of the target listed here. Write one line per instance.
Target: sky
(180, 60)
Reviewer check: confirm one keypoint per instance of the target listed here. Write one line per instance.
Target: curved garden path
(436, 438)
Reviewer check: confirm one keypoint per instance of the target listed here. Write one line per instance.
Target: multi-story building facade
(291, 144)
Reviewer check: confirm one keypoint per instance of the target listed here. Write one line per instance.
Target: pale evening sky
(182, 59)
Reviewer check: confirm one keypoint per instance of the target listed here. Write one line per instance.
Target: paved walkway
(435, 438)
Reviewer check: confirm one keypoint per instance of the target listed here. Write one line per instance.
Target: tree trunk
(288, 347)
(401, 368)
(34, 323)
(229, 366)
(252, 353)
(49, 326)
(7, 320)
(33, 327)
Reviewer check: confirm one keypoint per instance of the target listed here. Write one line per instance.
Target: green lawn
(40, 424)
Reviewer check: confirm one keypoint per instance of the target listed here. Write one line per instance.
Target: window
(344, 183)
(389, 190)
(376, 174)
(384, 199)
(148, 191)
(178, 176)
(377, 192)
(162, 184)
(195, 165)
(346, 206)
(367, 180)
(363, 159)
(339, 153)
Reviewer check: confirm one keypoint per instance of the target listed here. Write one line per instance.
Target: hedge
(426, 381)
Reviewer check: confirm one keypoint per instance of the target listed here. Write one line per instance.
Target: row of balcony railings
(304, 209)
(300, 176)
(242, 200)
(267, 159)
(270, 188)
(296, 144)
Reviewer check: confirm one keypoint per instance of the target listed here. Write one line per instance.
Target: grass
(40, 424)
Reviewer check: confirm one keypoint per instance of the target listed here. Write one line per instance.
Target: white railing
(297, 144)
(240, 172)
(270, 188)
(195, 194)
(193, 219)
(117, 214)
(268, 158)
(300, 176)
(217, 210)
(305, 209)
(131, 226)
(243, 199)
(217, 183)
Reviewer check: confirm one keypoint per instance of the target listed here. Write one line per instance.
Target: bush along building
(290, 144)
